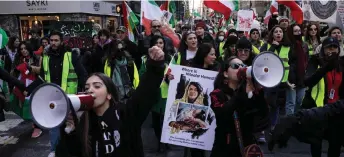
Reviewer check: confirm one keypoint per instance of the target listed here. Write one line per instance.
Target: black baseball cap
(330, 41)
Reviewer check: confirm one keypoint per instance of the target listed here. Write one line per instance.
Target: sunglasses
(157, 26)
(237, 65)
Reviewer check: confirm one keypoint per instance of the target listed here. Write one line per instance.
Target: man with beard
(144, 44)
(62, 67)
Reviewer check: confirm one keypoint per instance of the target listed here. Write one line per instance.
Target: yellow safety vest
(221, 48)
(136, 79)
(310, 48)
(69, 80)
(318, 93)
(164, 85)
(283, 55)
(179, 59)
(255, 49)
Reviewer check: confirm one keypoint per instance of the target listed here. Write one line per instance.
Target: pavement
(15, 141)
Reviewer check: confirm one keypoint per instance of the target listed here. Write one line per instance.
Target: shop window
(40, 24)
(112, 24)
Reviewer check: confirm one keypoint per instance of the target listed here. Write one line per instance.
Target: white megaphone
(50, 105)
(267, 70)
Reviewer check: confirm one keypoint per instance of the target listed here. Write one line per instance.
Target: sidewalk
(11, 130)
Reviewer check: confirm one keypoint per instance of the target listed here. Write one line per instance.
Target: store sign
(37, 5)
(96, 6)
(50, 7)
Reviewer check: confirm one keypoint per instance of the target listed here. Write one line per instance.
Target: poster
(322, 11)
(245, 20)
(341, 11)
(189, 120)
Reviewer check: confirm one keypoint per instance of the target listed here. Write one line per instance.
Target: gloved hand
(332, 63)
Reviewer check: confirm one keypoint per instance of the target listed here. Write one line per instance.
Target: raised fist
(156, 53)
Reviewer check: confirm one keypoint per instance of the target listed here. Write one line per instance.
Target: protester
(219, 43)
(128, 45)
(121, 68)
(229, 48)
(230, 95)
(158, 109)
(334, 32)
(101, 50)
(121, 123)
(202, 35)
(27, 67)
(243, 50)
(278, 43)
(187, 49)
(62, 67)
(316, 124)
(255, 40)
(9, 51)
(312, 37)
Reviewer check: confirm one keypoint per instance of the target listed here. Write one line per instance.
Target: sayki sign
(53, 7)
(37, 4)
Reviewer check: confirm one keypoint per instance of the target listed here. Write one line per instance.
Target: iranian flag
(130, 21)
(273, 8)
(296, 10)
(170, 7)
(149, 11)
(224, 7)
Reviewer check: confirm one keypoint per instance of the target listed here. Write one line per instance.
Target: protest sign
(245, 20)
(189, 121)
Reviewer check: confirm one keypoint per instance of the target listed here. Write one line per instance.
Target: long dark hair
(291, 33)
(202, 52)
(85, 126)
(220, 78)
(183, 46)
(18, 57)
(308, 36)
(153, 41)
(10, 44)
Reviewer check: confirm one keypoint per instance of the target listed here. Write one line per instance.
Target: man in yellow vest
(62, 67)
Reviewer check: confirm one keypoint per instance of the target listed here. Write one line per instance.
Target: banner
(321, 11)
(189, 120)
(245, 20)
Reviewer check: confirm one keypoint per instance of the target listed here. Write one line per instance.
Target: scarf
(121, 78)
(301, 59)
(106, 42)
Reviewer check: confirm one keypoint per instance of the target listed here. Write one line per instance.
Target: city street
(27, 147)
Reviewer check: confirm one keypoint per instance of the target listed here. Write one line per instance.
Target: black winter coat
(253, 117)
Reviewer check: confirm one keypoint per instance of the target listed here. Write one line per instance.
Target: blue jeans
(294, 99)
(271, 96)
(54, 138)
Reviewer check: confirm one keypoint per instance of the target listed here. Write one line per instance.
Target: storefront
(19, 17)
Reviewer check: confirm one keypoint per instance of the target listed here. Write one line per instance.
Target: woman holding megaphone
(111, 128)
(238, 117)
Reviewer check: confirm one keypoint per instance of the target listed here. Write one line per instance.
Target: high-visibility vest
(164, 85)
(136, 79)
(256, 49)
(69, 79)
(283, 55)
(318, 93)
(221, 50)
(179, 59)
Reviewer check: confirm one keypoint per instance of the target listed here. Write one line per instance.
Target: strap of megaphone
(75, 117)
(238, 132)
